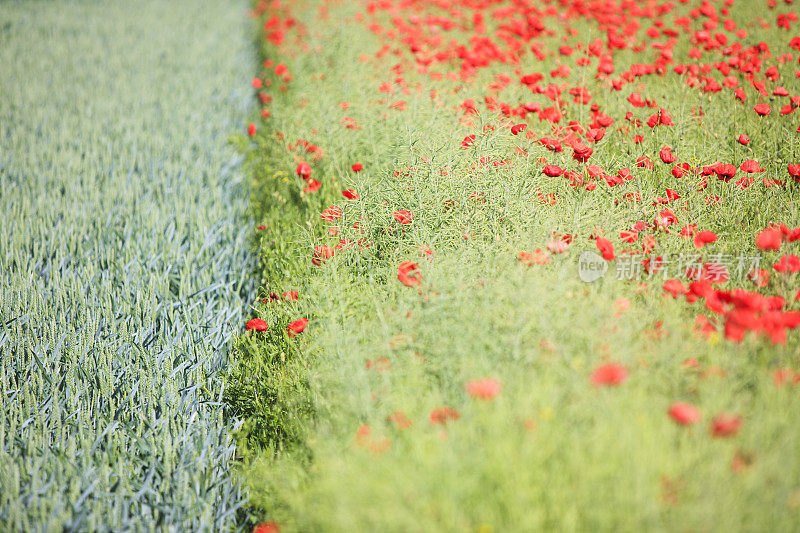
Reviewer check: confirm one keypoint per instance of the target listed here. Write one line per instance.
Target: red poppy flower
(350, 194)
(667, 156)
(794, 171)
(661, 118)
(331, 214)
(787, 264)
(684, 413)
(400, 419)
(739, 321)
(704, 237)
(553, 171)
(606, 248)
(744, 139)
(724, 171)
(257, 324)
(443, 415)
(257, 83)
(533, 107)
(516, 129)
(403, 216)
(691, 362)
(629, 236)
(303, 170)
(621, 305)
(267, 527)
(365, 440)
(470, 106)
(483, 389)
(782, 376)
(557, 246)
(762, 109)
(409, 274)
(322, 253)
(425, 250)
(725, 425)
(468, 141)
(680, 170)
(531, 79)
(595, 134)
(297, 326)
(380, 365)
(538, 257)
(675, 287)
(610, 374)
(313, 185)
(635, 100)
(251, 129)
(759, 276)
(751, 165)
(769, 239)
(581, 152)
(357, 167)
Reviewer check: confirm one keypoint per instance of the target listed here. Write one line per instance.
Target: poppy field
(524, 265)
(400, 265)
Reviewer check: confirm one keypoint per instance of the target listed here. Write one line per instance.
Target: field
(400, 265)
(124, 262)
(525, 266)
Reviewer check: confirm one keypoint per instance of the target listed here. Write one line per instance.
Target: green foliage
(551, 452)
(124, 263)
(273, 404)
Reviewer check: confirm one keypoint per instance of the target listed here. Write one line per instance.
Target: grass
(322, 448)
(124, 263)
